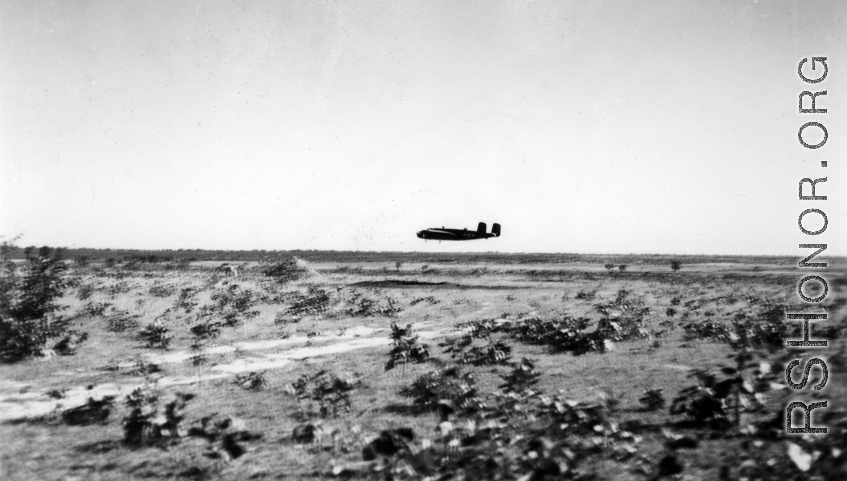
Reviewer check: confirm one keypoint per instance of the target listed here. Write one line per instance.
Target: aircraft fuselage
(443, 233)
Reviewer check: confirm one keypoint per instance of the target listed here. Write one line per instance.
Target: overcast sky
(585, 127)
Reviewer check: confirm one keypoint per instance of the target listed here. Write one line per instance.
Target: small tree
(405, 348)
(28, 308)
(622, 267)
(675, 265)
(398, 265)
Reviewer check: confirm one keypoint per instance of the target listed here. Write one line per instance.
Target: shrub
(695, 330)
(94, 411)
(283, 271)
(482, 328)
(447, 391)
(586, 295)
(254, 381)
(766, 328)
(362, 306)
(429, 299)
(493, 353)
(675, 265)
(28, 308)
(562, 334)
(147, 424)
(233, 304)
(95, 308)
(652, 400)
(118, 288)
(156, 335)
(522, 379)
(85, 291)
(705, 402)
(161, 290)
(70, 343)
(186, 299)
(326, 391)
(716, 401)
(406, 347)
(206, 330)
(577, 417)
(314, 302)
(623, 319)
(122, 321)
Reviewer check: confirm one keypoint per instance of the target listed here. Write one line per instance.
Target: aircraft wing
(443, 232)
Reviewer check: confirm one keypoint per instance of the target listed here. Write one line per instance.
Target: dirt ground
(257, 337)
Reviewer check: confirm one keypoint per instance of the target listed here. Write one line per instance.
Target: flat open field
(634, 373)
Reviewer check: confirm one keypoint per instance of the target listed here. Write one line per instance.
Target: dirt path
(18, 401)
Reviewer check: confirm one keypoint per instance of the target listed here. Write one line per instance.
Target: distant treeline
(191, 255)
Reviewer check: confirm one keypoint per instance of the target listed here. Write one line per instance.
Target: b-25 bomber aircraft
(459, 234)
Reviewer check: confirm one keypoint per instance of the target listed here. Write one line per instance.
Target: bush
(429, 299)
(186, 299)
(406, 347)
(206, 330)
(328, 392)
(156, 335)
(94, 411)
(122, 321)
(85, 291)
(586, 295)
(284, 271)
(233, 304)
(70, 343)
(95, 308)
(622, 319)
(362, 306)
(314, 302)
(447, 391)
(254, 381)
(162, 290)
(28, 308)
(522, 379)
(118, 288)
(652, 400)
(493, 353)
(146, 425)
(562, 334)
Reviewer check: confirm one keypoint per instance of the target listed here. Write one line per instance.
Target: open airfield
(449, 368)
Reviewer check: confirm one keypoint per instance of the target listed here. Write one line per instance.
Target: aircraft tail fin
(495, 229)
(481, 228)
